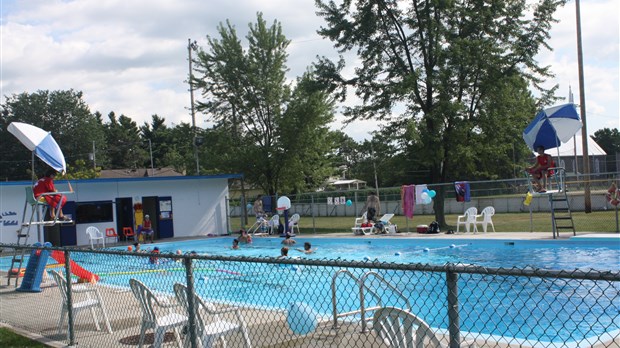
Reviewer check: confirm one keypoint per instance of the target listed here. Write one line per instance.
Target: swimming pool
(576, 311)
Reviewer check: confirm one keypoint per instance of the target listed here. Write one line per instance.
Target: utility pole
(151, 151)
(584, 128)
(190, 47)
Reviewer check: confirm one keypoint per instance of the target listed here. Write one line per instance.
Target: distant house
(138, 173)
(349, 184)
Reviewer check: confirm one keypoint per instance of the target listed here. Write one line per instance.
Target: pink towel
(407, 197)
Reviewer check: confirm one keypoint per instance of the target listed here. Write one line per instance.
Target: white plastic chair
(95, 235)
(210, 328)
(403, 329)
(274, 223)
(91, 302)
(152, 318)
(385, 222)
(467, 219)
(486, 215)
(357, 227)
(294, 222)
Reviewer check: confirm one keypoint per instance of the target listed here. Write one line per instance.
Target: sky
(131, 57)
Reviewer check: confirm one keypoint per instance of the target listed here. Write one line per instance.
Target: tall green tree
(609, 140)
(459, 70)
(63, 113)
(125, 146)
(273, 132)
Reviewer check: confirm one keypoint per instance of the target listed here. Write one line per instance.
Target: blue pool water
(524, 308)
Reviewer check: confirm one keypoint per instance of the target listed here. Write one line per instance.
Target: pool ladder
(363, 288)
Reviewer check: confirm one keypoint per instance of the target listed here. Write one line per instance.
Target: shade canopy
(553, 126)
(41, 143)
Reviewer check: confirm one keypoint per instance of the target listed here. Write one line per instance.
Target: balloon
(424, 196)
(301, 318)
(432, 193)
(249, 206)
(425, 191)
(349, 203)
(427, 200)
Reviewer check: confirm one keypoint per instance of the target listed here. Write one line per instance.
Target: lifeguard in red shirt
(147, 228)
(46, 185)
(540, 171)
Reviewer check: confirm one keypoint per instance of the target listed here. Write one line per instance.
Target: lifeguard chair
(35, 217)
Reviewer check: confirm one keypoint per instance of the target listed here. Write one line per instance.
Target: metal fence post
(454, 326)
(191, 306)
(313, 220)
(69, 298)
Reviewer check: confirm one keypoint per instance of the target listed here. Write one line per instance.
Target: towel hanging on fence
(461, 189)
(418, 193)
(407, 198)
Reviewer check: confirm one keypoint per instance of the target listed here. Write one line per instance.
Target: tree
(63, 113)
(609, 140)
(124, 144)
(460, 72)
(271, 132)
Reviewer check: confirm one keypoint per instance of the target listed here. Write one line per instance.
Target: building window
(90, 212)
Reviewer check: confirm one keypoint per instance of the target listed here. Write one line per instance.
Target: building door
(68, 234)
(164, 217)
(124, 215)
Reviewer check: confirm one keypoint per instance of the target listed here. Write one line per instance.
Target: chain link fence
(297, 302)
(506, 196)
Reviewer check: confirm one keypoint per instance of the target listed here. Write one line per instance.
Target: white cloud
(130, 57)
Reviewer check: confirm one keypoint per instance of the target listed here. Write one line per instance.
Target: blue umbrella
(553, 126)
(41, 143)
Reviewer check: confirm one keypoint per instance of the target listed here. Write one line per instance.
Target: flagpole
(582, 102)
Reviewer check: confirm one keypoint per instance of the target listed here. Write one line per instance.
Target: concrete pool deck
(36, 315)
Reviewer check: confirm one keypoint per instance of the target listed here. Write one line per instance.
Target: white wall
(198, 203)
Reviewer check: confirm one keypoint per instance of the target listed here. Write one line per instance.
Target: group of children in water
(245, 238)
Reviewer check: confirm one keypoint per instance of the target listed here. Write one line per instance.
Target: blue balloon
(432, 193)
(425, 191)
(301, 318)
(349, 203)
(249, 205)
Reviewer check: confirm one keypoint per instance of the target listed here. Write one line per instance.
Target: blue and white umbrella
(41, 143)
(553, 126)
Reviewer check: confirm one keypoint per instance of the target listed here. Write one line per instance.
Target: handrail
(362, 285)
(334, 299)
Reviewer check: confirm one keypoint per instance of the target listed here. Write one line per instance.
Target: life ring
(613, 196)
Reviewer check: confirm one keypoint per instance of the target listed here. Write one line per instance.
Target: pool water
(537, 309)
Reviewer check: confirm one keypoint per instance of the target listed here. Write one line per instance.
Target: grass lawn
(600, 221)
(9, 338)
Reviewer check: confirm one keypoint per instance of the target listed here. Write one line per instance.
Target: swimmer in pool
(283, 253)
(307, 248)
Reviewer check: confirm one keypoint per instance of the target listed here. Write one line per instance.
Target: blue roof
(140, 179)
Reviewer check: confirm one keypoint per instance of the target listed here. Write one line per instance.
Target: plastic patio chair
(110, 232)
(357, 227)
(294, 223)
(95, 235)
(274, 223)
(152, 316)
(129, 233)
(91, 302)
(467, 219)
(209, 326)
(401, 328)
(486, 215)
